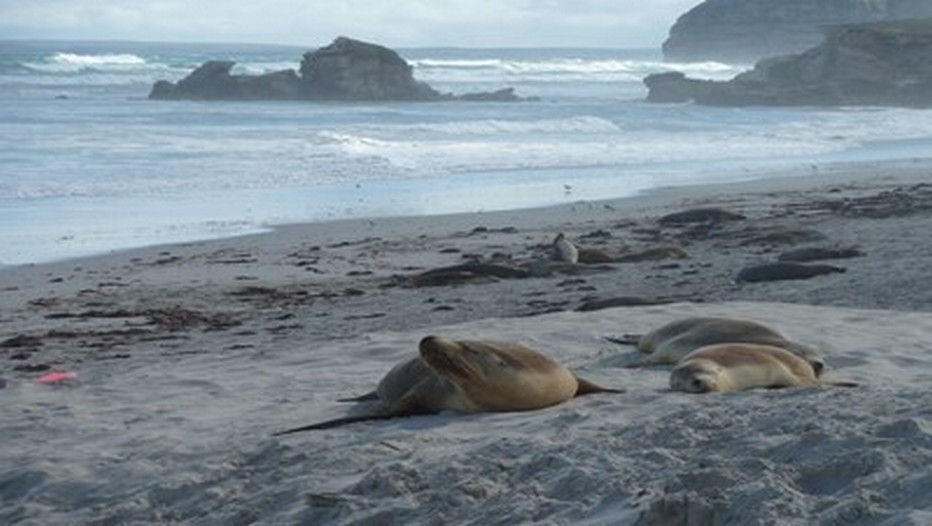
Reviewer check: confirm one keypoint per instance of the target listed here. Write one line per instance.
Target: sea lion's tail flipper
(337, 422)
(587, 387)
(368, 397)
(625, 339)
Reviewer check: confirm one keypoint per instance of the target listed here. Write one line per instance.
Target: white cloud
(608, 23)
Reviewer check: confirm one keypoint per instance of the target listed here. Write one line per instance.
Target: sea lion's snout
(432, 348)
(429, 342)
(817, 367)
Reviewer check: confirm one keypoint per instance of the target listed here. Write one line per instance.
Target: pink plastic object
(56, 377)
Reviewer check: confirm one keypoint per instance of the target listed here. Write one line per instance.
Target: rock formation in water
(881, 63)
(213, 81)
(743, 31)
(352, 70)
(345, 70)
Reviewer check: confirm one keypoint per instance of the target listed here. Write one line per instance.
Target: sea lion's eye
(697, 385)
(817, 368)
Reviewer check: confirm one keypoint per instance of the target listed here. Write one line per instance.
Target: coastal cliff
(882, 63)
(345, 70)
(743, 31)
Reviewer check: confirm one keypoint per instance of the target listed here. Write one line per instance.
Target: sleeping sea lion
(671, 342)
(741, 366)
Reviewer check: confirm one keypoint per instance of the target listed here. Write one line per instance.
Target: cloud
(606, 23)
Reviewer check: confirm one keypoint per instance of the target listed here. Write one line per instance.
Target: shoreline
(349, 277)
(776, 178)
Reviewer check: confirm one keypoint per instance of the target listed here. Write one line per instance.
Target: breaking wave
(562, 69)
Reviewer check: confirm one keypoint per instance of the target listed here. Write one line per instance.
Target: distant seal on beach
(657, 253)
(671, 342)
(741, 366)
(700, 215)
(469, 376)
(784, 270)
(563, 250)
(466, 273)
(803, 255)
(596, 255)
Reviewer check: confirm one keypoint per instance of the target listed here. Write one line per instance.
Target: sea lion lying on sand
(469, 376)
(740, 366)
(784, 270)
(671, 342)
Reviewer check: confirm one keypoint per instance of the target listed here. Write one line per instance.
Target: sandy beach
(188, 357)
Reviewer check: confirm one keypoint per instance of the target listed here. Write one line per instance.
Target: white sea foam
(263, 67)
(202, 161)
(73, 62)
(563, 69)
(588, 141)
(581, 124)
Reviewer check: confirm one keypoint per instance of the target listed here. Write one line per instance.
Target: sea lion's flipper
(337, 422)
(368, 397)
(587, 387)
(625, 339)
(407, 405)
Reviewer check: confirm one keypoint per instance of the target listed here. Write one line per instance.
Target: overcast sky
(472, 23)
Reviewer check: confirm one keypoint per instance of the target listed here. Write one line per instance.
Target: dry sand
(189, 356)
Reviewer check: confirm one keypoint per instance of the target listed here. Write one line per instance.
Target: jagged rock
(744, 31)
(345, 70)
(213, 81)
(348, 69)
(883, 63)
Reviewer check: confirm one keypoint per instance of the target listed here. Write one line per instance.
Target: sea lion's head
(696, 376)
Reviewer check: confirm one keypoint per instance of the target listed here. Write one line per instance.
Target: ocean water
(88, 164)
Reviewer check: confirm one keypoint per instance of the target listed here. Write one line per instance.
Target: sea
(90, 165)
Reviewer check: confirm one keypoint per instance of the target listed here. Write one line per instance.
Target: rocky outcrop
(345, 70)
(744, 31)
(352, 70)
(213, 81)
(883, 63)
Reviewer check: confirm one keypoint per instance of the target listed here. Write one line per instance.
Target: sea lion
(807, 254)
(783, 270)
(563, 250)
(671, 342)
(620, 301)
(466, 273)
(469, 376)
(657, 253)
(741, 366)
(700, 215)
(589, 255)
(782, 236)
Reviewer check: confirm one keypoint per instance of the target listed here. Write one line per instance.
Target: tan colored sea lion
(671, 342)
(469, 376)
(740, 366)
